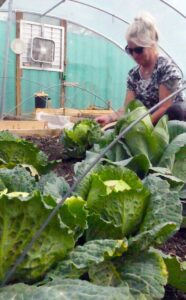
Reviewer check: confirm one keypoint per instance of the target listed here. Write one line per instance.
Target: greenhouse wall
(34, 81)
(97, 66)
(11, 69)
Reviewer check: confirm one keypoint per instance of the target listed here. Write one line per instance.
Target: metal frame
(104, 11)
(54, 211)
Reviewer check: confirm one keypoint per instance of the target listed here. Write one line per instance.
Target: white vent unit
(44, 46)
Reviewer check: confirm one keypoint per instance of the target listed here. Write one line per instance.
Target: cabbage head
(116, 201)
(81, 137)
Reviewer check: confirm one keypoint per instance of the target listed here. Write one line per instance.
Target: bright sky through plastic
(171, 24)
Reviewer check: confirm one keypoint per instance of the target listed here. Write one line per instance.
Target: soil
(176, 245)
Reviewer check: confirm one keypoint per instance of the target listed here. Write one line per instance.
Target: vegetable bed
(117, 234)
(174, 246)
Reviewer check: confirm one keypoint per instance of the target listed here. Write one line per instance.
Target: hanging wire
(48, 88)
(73, 187)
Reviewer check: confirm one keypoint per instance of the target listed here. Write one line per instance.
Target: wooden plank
(37, 132)
(19, 16)
(25, 125)
(75, 112)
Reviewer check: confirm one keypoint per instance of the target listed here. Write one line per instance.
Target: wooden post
(19, 16)
(63, 23)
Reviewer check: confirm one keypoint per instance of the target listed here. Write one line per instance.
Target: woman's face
(141, 55)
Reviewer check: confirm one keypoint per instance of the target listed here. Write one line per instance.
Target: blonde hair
(143, 31)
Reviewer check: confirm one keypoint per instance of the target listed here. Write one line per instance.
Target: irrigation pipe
(72, 188)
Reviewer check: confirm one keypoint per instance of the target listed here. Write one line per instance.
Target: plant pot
(40, 101)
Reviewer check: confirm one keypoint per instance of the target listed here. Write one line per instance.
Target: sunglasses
(137, 50)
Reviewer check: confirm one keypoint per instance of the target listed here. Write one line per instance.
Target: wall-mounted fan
(42, 50)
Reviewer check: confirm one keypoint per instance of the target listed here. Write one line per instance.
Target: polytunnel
(91, 209)
(92, 60)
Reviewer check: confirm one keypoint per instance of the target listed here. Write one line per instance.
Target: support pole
(19, 17)
(6, 54)
(63, 23)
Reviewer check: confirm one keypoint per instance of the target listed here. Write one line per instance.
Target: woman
(154, 78)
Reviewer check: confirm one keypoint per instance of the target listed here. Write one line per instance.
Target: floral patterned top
(165, 72)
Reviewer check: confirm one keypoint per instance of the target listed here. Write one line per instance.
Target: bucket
(41, 100)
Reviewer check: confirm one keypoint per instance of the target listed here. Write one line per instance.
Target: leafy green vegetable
(51, 184)
(104, 234)
(67, 289)
(144, 273)
(21, 215)
(118, 197)
(164, 206)
(83, 135)
(15, 151)
(144, 138)
(94, 252)
(176, 271)
(174, 156)
(17, 179)
(74, 215)
(176, 128)
(8, 136)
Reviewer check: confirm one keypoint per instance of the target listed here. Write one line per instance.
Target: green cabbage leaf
(21, 215)
(15, 151)
(117, 199)
(81, 137)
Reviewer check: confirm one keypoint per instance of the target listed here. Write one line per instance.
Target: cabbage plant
(144, 147)
(15, 151)
(25, 203)
(81, 137)
(123, 220)
(21, 215)
(116, 200)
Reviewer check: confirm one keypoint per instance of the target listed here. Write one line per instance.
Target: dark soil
(53, 148)
(174, 246)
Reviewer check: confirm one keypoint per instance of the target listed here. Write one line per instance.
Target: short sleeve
(130, 82)
(170, 75)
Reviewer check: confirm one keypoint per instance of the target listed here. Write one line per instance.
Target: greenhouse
(93, 149)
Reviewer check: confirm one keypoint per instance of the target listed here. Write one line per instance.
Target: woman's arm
(130, 96)
(106, 119)
(163, 93)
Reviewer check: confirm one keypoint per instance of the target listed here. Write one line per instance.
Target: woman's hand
(104, 119)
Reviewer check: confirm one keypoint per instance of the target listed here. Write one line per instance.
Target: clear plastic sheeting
(110, 19)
